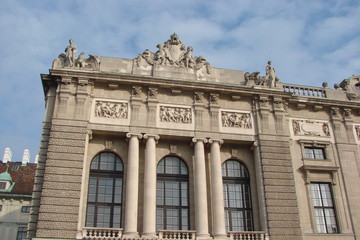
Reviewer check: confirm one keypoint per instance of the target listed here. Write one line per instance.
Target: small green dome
(5, 176)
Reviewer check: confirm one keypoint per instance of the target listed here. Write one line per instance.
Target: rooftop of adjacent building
(16, 178)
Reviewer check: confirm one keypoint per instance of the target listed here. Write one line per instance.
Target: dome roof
(5, 176)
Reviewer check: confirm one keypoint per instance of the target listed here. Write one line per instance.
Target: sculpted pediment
(173, 53)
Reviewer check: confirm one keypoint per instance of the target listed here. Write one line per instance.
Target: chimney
(7, 155)
(37, 158)
(26, 157)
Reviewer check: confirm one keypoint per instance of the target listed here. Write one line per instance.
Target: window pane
(172, 195)
(324, 209)
(237, 197)
(105, 191)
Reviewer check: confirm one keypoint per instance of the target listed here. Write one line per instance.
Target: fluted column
(149, 218)
(201, 207)
(132, 186)
(217, 190)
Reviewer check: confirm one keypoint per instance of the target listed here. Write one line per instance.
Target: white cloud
(308, 43)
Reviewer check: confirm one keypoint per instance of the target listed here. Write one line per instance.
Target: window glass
(21, 233)
(314, 153)
(172, 202)
(105, 191)
(237, 197)
(324, 208)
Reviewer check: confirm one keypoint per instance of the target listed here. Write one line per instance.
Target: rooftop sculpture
(69, 59)
(173, 53)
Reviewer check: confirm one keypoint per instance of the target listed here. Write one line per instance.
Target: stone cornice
(192, 85)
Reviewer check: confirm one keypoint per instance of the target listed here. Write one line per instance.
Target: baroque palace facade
(166, 146)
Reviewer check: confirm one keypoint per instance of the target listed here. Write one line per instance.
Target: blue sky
(309, 42)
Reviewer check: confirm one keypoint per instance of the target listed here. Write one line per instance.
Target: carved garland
(236, 120)
(311, 128)
(111, 110)
(175, 114)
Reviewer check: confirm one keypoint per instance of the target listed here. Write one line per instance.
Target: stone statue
(70, 51)
(173, 53)
(188, 57)
(69, 59)
(270, 75)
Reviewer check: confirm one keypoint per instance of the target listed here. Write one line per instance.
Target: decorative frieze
(111, 109)
(175, 114)
(175, 117)
(236, 119)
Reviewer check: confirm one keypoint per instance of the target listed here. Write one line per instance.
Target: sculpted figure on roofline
(173, 53)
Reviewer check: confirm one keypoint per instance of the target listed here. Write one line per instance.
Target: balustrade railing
(246, 235)
(305, 91)
(173, 234)
(101, 233)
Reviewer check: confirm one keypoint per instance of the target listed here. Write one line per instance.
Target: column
(149, 218)
(201, 208)
(217, 190)
(132, 186)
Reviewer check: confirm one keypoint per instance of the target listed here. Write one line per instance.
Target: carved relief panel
(234, 121)
(357, 133)
(310, 129)
(175, 116)
(110, 111)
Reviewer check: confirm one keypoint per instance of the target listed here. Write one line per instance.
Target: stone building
(16, 185)
(167, 146)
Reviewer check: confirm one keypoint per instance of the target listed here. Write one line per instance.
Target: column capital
(139, 135)
(195, 139)
(254, 146)
(213, 140)
(156, 137)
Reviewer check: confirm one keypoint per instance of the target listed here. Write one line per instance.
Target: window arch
(237, 196)
(172, 201)
(104, 202)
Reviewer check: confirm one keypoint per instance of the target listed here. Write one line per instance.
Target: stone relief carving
(199, 97)
(111, 110)
(357, 130)
(236, 119)
(269, 80)
(136, 91)
(69, 59)
(152, 93)
(173, 53)
(311, 128)
(214, 98)
(175, 114)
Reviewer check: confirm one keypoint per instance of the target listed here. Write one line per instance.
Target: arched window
(172, 202)
(237, 198)
(104, 201)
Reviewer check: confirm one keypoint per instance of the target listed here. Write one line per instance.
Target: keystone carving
(69, 59)
(173, 53)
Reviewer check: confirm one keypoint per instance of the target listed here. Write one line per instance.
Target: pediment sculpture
(173, 53)
(70, 60)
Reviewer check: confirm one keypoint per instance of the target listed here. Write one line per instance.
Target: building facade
(167, 146)
(16, 185)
